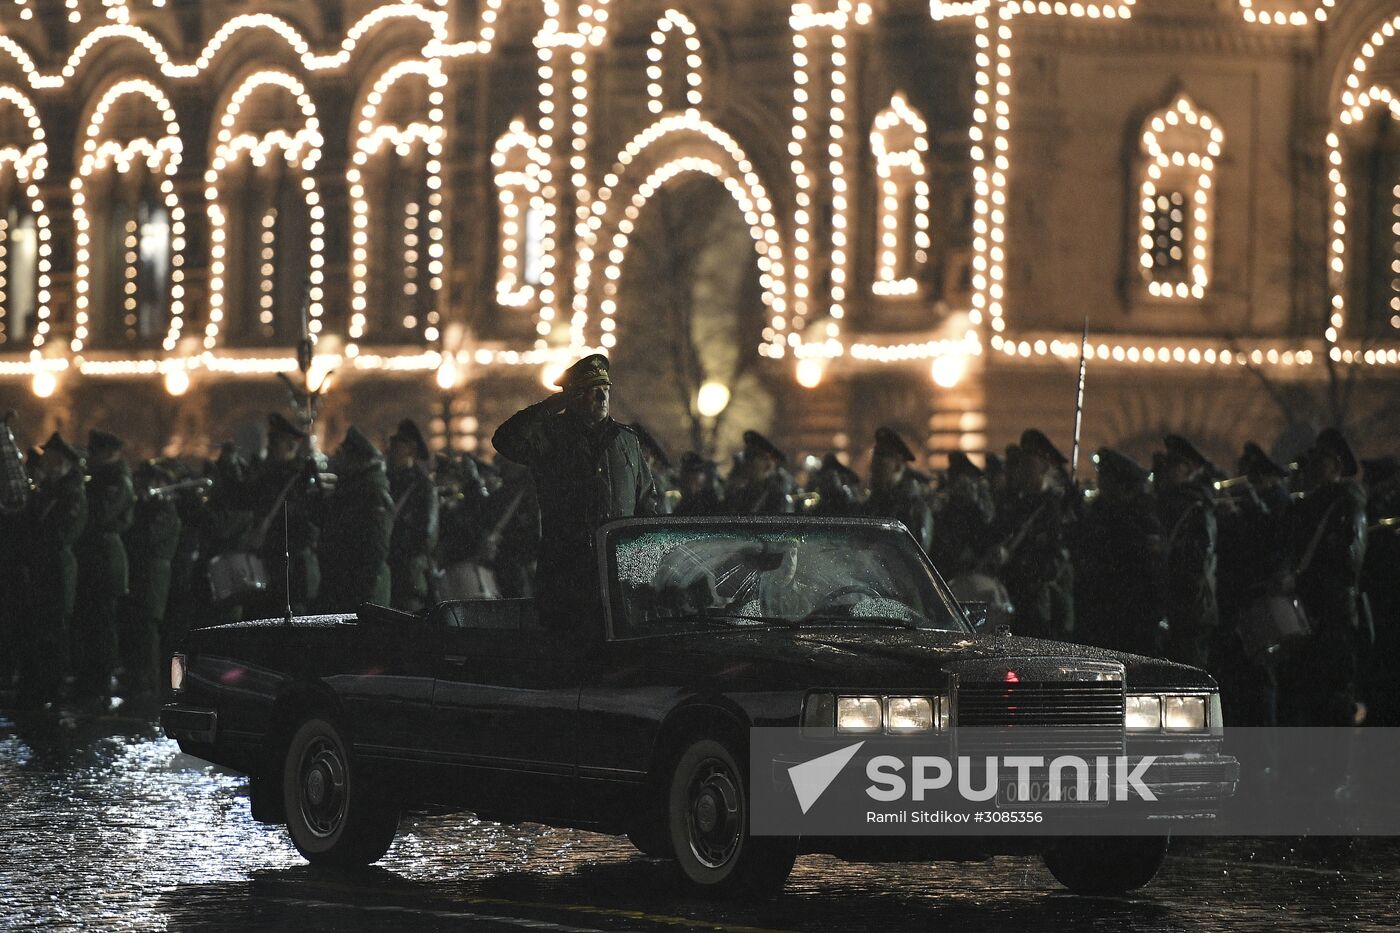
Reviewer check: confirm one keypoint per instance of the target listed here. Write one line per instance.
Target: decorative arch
(898, 140)
(672, 146)
(126, 178)
(270, 131)
(24, 226)
(396, 169)
(659, 100)
(1178, 149)
(521, 173)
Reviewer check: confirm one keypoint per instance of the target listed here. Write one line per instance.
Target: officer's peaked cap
(56, 442)
(959, 464)
(832, 465)
(408, 433)
(1119, 466)
(588, 372)
(1035, 443)
(358, 443)
(757, 442)
(1179, 448)
(1254, 462)
(278, 425)
(101, 442)
(888, 443)
(1330, 441)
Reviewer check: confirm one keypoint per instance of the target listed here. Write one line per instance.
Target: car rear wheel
(1106, 865)
(333, 814)
(708, 827)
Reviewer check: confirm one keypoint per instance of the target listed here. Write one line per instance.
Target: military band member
(151, 543)
(102, 567)
(356, 527)
(54, 520)
(762, 486)
(415, 518)
(699, 486)
(963, 516)
(838, 489)
(587, 468)
(667, 495)
(1186, 508)
(278, 493)
(897, 489)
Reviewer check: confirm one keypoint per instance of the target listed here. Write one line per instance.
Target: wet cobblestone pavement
(105, 825)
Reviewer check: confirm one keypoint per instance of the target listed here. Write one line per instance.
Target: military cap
(1330, 441)
(279, 426)
(100, 442)
(652, 446)
(995, 465)
(593, 370)
(960, 465)
(753, 441)
(1035, 443)
(1119, 466)
(408, 433)
(691, 462)
(56, 442)
(832, 465)
(1254, 462)
(358, 443)
(1179, 448)
(1380, 470)
(888, 443)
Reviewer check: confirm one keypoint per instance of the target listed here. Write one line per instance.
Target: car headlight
(1184, 714)
(1171, 712)
(909, 714)
(177, 672)
(1143, 713)
(859, 714)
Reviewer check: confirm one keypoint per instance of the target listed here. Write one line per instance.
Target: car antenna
(286, 563)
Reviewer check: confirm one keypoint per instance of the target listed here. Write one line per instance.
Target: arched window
(267, 223)
(521, 167)
(674, 88)
(130, 224)
(1373, 221)
(899, 141)
(395, 181)
(1179, 147)
(24, 228)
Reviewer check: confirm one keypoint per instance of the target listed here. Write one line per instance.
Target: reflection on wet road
(104, 825)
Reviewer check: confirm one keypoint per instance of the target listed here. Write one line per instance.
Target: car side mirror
(979, 614)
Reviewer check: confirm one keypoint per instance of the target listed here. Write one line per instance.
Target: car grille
(1057, 717)
(1088, 704)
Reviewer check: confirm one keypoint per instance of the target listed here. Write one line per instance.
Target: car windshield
(713, 578)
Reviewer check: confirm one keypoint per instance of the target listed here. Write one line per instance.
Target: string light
(1176, 200)
(694, 95)
(28, 166)
(521, 166)
(898, 140)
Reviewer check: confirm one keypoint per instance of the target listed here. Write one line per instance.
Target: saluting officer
(896, 489)
(102, 566)
(1186, 508)
(763, 485)
(356, 528)
(415, 518)
(588, 469)
(54, 518)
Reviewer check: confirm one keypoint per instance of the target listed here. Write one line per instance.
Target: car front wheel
(708, 827)
(333, 815)
(1106, 866)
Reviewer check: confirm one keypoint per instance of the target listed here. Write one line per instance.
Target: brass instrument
(1392, 521)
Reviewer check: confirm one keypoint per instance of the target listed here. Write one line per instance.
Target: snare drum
(237, 576)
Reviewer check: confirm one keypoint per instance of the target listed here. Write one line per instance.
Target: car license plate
(1037, 795)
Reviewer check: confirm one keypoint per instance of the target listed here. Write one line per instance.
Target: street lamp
(45, 383)
(948, 369)
(712, 399)
(809, 373)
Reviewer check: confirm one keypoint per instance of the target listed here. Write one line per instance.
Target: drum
(1269, 625)
(235, 576)
(467, 579)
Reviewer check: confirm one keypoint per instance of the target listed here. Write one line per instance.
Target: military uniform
(700, 488)
(102, 570)
(1187, 513)
(1380, 582)
(54, 520)
(769, 495)
(962, 518)
(356, 530)
(1031, 546)
(584, 475)
(415, 522)
(1329, 544)
(283, 528)
(1118, 595)
(837, 488)
(150, 545)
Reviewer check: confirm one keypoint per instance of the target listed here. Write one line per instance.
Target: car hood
(848, 658)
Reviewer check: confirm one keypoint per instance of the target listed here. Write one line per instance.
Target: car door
(506, 707)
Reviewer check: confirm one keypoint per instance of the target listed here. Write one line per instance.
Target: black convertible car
(635, 717)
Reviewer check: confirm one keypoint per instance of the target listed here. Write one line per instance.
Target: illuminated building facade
(446, 195)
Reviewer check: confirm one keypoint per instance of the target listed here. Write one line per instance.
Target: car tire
(1106, 866)
(708, 827)
(334, 816)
